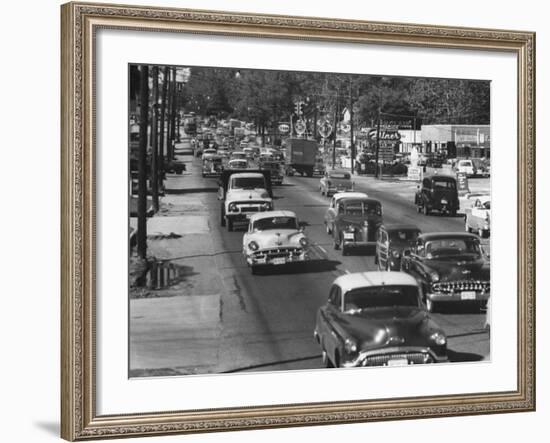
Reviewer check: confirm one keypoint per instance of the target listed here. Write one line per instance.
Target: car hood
(275, 238)
(459, 268)
(248, 194)
(396, 326)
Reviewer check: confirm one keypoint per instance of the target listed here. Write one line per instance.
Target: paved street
(215, 316)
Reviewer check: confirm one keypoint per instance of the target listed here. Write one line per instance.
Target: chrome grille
(413, 358)
(462, 285)
(278, 253)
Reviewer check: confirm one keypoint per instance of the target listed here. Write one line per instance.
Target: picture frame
(79, 399)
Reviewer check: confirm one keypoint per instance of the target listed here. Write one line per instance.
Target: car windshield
(238, 164)
(265, 224)
(403, 235)
(339, 175)
(381, 297)
(362, 208)
(248, 183)
(239, 155)
(445, 184)
(465, 163)
(451, 247)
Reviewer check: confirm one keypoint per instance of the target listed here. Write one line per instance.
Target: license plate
(398, 362)
(278, 261)
(468, 295)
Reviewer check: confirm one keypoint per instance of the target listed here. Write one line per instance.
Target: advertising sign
(300, 127)
(284, 128)
(462, 183)
(324, 128)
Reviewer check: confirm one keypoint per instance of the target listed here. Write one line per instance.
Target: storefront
(457, 141)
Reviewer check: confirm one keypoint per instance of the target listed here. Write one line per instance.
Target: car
(332, 210)
(211, 166)
(237, 164)
(276, 171)
(450, 267)
(377, 319)
(249, 153)
(334, 181)
(391, 242)
(209, 153)
(467, 167)
(478, 217)
(437, 192)
(356, 223)
(238, 155)
(274, 238)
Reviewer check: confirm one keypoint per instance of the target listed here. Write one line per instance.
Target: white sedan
(274, 238)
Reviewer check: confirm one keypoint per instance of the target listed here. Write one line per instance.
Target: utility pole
(154, 137)
(142, 163)
(351, 128)
(173, 113)
(377, 143)
(162, 120)
(335, 131)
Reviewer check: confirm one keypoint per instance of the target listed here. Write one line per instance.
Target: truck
(300, 156)
(242, 193)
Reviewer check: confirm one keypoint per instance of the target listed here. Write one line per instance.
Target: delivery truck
(300, 155)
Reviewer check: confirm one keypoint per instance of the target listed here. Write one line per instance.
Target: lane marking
(322, 249)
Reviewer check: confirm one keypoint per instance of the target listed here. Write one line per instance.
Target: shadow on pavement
(461, 357)
(306, 267)
(180, 191)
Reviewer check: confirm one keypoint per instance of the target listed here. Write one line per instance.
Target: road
(215, 316)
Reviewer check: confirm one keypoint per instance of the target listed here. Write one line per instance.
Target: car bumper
(402, 355)
(464, 296)
(352, 239)
(265, 261)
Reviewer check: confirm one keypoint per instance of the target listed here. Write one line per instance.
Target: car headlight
(253, 246)
(303, 241)
(434, 276)
(266, 205)
(350, 346)
(232, 207)
(350, 228)
(439, 338)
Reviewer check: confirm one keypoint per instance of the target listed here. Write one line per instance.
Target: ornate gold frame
(78, 417)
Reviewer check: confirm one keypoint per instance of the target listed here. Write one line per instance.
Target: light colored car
(238, 155)
(467, 167)
(334, 181)
(478, 217)
(274, 238)
(331, 213)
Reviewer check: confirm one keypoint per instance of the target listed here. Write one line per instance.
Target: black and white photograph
(288, 220)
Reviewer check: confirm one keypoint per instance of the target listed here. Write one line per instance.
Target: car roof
(269, 214)
(444, 235)
(400, 227)
(376, 278)
(340, 195)
(247, 175)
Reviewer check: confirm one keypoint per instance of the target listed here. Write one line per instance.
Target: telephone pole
(154, 138)
(142, 163)
(162, 120)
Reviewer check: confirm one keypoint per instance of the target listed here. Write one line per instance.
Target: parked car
(377, 319)
(437, 192)
(478, 217)
(332, 210)
(450, 267)
(391, 242)
(356, 223)
(174, 166)
(334, 181)
(274, 238)
(483, 168)
(467, 167)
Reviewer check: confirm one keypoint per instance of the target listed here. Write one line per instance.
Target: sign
(386, 151)
(300, 127)
(385, 134)
(324, 128)
(284, 128)
(344, 127)
(462, 183)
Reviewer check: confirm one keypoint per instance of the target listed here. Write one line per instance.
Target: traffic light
(298, 108)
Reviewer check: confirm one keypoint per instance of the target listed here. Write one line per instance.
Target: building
(457, 141)
(409, 139)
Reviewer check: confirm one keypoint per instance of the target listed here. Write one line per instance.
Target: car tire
(482, 233)
(419, 209)
(466, 226)
(336, 243)
(376, 258)
(343, 246)
(425, 209)
(328, 229)
(222, 218)
(230, 225)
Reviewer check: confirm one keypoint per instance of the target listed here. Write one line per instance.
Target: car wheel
(466, 226)
(425, 209)
(336, 243)
(222, 218)
(329, 231)
(481, 233)
(376, 258)
(419, 209)
(430, 305)
(230, 225)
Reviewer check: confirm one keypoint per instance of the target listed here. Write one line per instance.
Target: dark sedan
(391, 242)
(377, 319)
(451, 267)
(356, 223)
